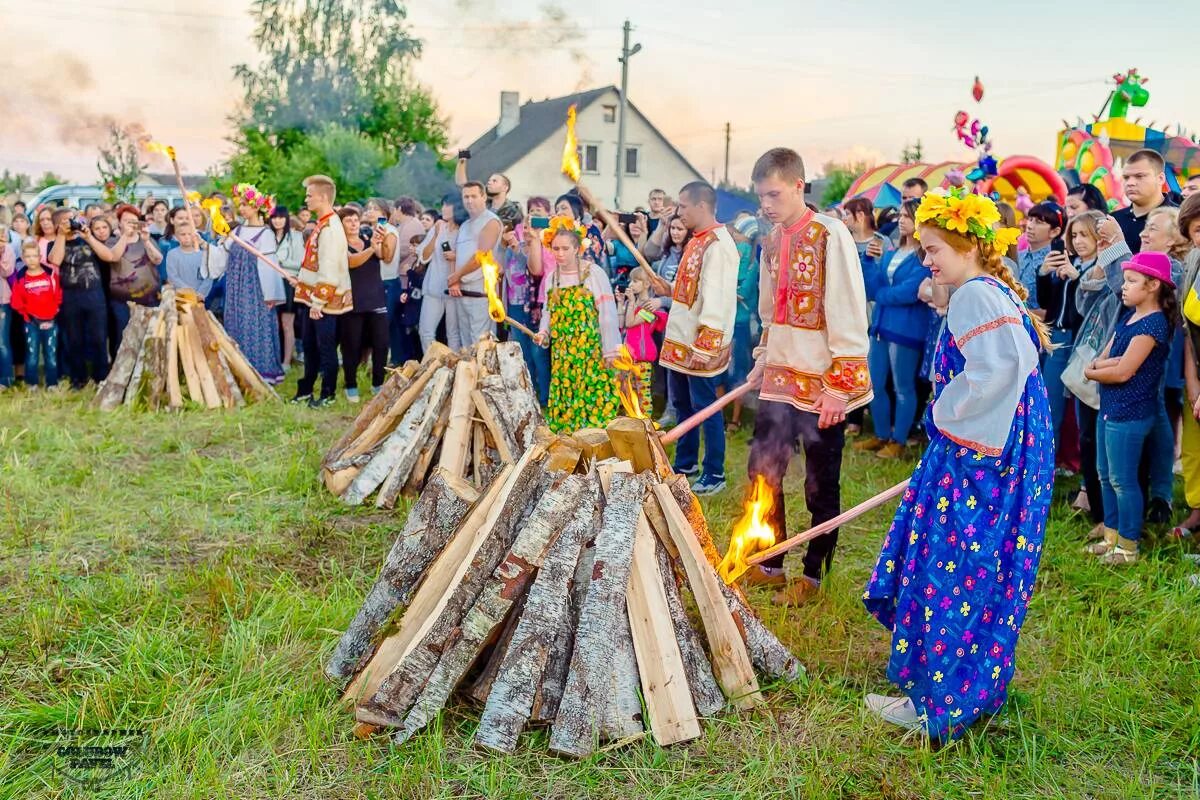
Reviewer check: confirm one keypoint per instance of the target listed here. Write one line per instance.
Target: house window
(632, 160)
(610, 113)
(589, 158)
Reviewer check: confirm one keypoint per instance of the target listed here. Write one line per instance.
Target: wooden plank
(396, 382)
(595, 442)
(658, 524)
(457, 441)
(580, 718)
(112, 389)
(507, 585)
(520, 674)
(516, 407)
(208, 343)
(664, 681)
(565, 454)
(731, 662)
(767, 653)
(186, 361)
(431, 521)
(204, 373)
(419, 429)
(443, 576)
(378, 429)
(247, 376)
(706, 694)
(485, 357)
(636, 441)
(239, 399)
(416, 480)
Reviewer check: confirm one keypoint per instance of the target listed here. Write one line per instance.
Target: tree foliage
(47, 180)
(119, 166)
(839, 178)
(14, 183)
(333, 94)
(912, 153)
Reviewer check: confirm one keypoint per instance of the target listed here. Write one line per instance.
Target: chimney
(510, 113)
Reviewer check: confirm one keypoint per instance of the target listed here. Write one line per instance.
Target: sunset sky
(834, 80)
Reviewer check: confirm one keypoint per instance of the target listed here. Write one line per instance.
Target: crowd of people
(1063, 345)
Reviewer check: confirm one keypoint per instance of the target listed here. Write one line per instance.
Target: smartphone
(539, 223)
(1058, 246)
(464, 153)
(381, 221)
(445, 247)
(626, 219)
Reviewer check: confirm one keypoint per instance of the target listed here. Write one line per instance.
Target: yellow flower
(890, 564)
(937, 676)
(951, 566)
(902, 646)
(943, 504)
(965, 608)
(971, 501)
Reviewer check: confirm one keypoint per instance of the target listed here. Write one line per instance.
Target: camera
(76, 226)
(465, 154)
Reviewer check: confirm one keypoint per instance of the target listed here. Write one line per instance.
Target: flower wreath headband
(561, 223)
(970, 214)
(248, 194)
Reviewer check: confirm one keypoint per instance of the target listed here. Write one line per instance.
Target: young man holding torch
(324, 287)
(811, 363)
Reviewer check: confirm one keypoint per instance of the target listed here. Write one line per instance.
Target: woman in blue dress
(957, 569)
(252, 290)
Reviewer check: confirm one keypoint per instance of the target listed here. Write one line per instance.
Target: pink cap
(1152, 265)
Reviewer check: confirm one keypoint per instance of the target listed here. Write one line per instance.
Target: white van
(74, 195)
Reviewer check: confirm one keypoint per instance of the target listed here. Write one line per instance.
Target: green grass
(186, 575)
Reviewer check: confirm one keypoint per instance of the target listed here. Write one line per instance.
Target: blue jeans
(901, 363)
(44, 342)
(1052, 372)
(6, 363)
(691, 395)
(1118, 453)
(1162, 456)
(743, 354)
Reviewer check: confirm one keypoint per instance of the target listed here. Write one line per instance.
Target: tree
(419, 173)
(118, 165)
(331, 62)
(912, 154)
(14, 184)
(839, 178)
(47, 180)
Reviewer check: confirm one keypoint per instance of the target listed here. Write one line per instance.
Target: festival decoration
(977, 90)
(561, 222)
(970, 214)
(248, 194)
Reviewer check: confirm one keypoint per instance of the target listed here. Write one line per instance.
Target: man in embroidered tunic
(811, 363)
(699, 336)
(324, 287)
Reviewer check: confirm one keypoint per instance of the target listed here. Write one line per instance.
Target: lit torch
(570, 159)
(751, 533)
(491, 283)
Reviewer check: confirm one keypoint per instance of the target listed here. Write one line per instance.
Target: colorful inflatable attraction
(1015, 175)
(1087, 153)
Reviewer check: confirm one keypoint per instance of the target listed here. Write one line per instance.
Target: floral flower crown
(963, 212)
(561, 223)
(248, 194)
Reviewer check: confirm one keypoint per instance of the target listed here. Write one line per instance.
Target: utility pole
(726, 153)
(626, 52)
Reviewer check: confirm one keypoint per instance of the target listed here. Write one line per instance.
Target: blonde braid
(993, 264)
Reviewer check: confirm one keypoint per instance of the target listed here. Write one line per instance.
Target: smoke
(554, 29)
(57, 103)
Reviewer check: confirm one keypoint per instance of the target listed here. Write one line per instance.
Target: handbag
(1093, 335)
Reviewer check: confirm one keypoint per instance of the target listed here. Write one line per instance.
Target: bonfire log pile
(574, 588)
(178, 351)
(464, 414)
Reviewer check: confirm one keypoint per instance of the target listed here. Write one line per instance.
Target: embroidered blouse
(704, 305)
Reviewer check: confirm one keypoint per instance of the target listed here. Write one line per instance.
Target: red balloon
(977, 90)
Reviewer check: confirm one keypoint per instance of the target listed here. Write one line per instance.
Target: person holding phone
(438, 251)
(1040, 222)
(1055, 286)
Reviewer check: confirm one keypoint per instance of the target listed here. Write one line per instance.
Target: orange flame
(751, 534)
(160, 148)
(628, 370)
(570, 158)
(220, 225)
(491, 283)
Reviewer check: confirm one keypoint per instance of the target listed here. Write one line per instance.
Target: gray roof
(540, 121)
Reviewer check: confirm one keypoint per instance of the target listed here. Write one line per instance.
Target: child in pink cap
(1130, 374)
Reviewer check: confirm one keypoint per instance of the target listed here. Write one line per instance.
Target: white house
(527, 143)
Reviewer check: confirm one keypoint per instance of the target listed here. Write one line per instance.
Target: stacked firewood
(466, 414)
(179, 337)
(557, 595)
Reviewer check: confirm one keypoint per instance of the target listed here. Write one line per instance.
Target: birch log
(378, 429)
(431, 631)
(577, 726)
(431, 521)
(505, 587)
(521, 673)
(420, 429)
(401, 444)
(395, 384)
(134, 388)
(706, 693)
(212, 349)
(187, 363)
(456, 444)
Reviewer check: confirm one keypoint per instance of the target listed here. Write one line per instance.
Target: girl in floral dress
(252, 290)
(957, 568)
(580, 322)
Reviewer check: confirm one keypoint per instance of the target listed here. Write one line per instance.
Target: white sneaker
(898, 711)
(352, 395)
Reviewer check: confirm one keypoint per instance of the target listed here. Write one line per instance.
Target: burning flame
(627, 370)
(193, 197)
(159, 147)
(570, 158)
(220, 225)
(751, 534)
(491, 283)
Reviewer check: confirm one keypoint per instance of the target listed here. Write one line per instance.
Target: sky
(855, 80)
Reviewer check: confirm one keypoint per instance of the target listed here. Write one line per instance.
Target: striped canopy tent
(1034, 175)
(871, 182)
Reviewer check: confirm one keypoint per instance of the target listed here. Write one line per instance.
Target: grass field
(185, 576)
